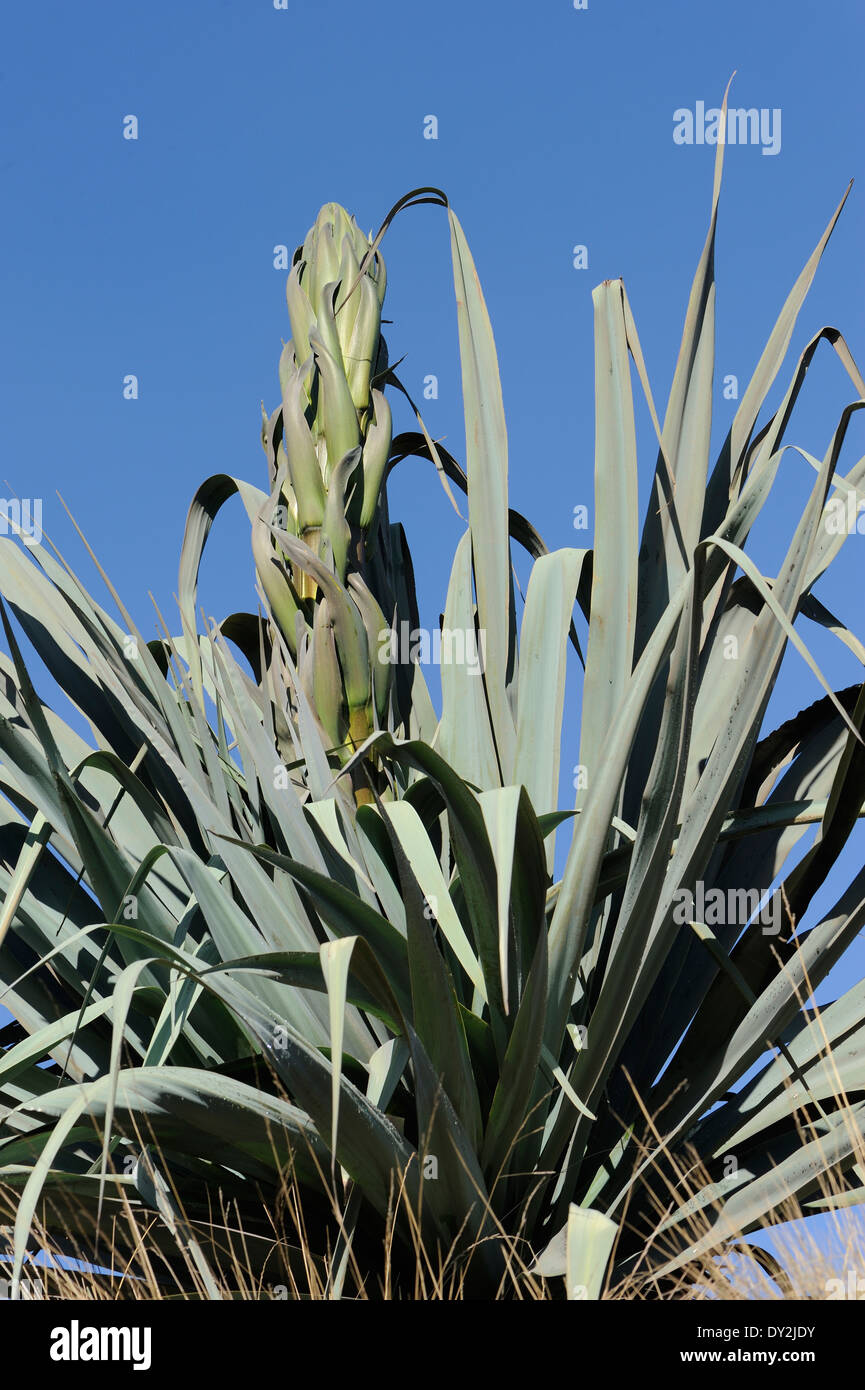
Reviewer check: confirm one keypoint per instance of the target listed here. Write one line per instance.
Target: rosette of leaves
(439, 1025)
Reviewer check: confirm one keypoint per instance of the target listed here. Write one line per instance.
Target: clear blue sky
(555, 127)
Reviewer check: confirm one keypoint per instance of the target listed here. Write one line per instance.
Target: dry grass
(139, 1259)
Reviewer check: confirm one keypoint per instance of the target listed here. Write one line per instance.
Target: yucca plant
(270, 922)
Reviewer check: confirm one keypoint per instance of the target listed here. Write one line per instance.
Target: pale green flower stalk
(328, 445)
(330, 408)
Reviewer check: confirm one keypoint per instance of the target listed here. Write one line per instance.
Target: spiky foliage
(223, 963)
